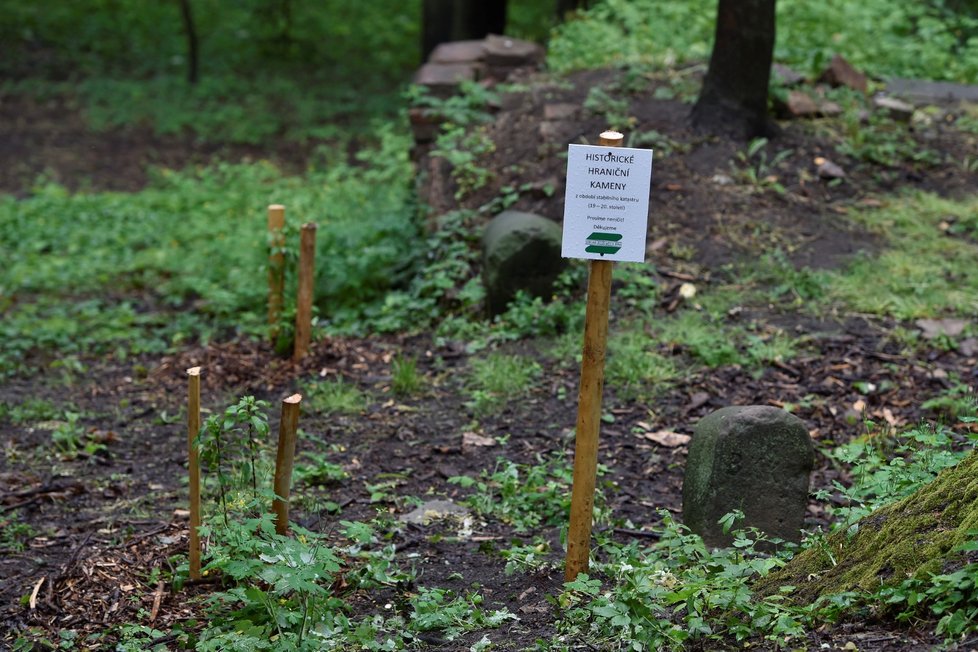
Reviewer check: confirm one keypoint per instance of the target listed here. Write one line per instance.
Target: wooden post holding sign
(307, 274)
(276, 267)
(284, 461)
(606, 209)
(193, 466)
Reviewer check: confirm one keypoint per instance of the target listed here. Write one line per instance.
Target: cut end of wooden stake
(193, 371)
(309, 226)
(295, 398)
(276, 207)
(611, 138)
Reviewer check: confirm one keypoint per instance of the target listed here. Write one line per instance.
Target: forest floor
(103, 521)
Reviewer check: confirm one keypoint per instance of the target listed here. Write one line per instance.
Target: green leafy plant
(314, 468)
(463, 148)
(958, 401)
(70, 438)
(469, 106)
(879, 139)
(703, 338)
(614, 111)
(522, 495)
(756, 169)
(885, 469)
(786, 281)
(677, 591)
(230, 444)
(527, 558)
(31, 409)
(14, 535)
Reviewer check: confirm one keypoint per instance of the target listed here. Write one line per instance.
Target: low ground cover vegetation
(850, 302)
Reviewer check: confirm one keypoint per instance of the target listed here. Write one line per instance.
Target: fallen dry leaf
(888, 416)
(475, 439)
(667, 438)
(933, 328)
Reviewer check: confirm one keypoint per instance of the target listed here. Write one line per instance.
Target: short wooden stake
(193, 428)
(307, 272)
(589, 407)
(276, 267)
(284, 461)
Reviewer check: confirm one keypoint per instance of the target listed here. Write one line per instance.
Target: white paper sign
(606, 207)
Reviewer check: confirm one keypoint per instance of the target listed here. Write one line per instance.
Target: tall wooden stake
(276, 267)
(287, 429)
(193, 427)
(307, 271)
(589, 406)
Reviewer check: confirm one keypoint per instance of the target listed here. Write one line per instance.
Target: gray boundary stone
(521, 251)
(755, 458)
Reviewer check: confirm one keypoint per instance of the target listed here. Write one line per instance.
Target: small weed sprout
(405, 380)
(615, 112)
(757, 170)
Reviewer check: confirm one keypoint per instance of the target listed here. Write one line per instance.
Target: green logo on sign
(603, 243)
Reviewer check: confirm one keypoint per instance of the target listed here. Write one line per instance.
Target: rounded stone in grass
(521, 251)
(756, 459)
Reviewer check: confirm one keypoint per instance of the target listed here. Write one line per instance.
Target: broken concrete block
(896, 109)
(842, 73)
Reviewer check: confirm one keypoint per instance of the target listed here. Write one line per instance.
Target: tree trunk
(191, 31)
(733, 100)
(460, 20)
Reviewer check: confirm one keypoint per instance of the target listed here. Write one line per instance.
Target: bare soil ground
(105, 521)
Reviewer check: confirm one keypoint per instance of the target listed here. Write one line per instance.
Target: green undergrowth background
(935, 39)
(184, 259)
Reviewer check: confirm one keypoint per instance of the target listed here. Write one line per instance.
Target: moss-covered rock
(521, 251)
(915, 537)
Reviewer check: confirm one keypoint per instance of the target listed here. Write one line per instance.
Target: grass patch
(911, 40)
(703, 338)
(635, 370)
(335, 396)
(186, 257)
(497, 379)
(405, 379)
(524, 496)
(928, 267)
(288, 70)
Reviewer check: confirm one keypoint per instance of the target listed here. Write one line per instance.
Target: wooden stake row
(284, 463)
(276, 280)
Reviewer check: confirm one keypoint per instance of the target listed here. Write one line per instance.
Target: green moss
(914, 537)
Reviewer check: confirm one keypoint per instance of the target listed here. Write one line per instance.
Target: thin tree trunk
(191, 31)
(733, 100)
